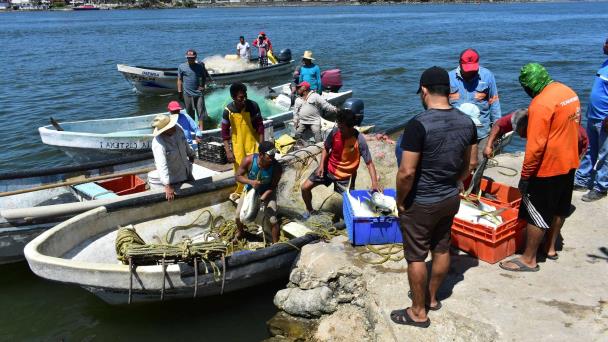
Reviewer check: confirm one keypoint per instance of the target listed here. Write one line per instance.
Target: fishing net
(217, 64)
(220, 98)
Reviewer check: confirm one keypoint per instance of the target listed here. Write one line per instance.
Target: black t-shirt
(441, 136)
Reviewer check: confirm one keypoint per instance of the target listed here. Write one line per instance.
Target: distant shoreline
(227, 4)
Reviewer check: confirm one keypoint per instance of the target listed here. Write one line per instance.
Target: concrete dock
(334, 296)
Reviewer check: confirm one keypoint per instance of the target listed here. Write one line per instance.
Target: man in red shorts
(547, 175)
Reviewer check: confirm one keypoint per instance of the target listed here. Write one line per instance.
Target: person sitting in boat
(308, 110)
(173, 156)
(185, 122)
(310, 72)
(243, 126)
(264, 46)
(261, 172)
(344, 147)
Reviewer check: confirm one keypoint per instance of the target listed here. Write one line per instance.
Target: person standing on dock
(243, 50)
(262, 173)
(308, 110)
(547, 174)
(344, 147)
(173, 156)
(243, 127)
(592, 174)
(191, 79)
(472, 83)
(310, 72)
(437, 145)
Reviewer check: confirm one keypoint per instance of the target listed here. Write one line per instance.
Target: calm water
(63, 64)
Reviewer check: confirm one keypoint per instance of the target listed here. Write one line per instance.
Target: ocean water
(63, 64)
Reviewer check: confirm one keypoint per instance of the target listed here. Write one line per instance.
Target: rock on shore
(332, 295)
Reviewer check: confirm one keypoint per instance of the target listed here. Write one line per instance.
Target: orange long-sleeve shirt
(553, 119)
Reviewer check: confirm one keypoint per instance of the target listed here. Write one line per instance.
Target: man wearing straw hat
(173, 156)
(310, 72)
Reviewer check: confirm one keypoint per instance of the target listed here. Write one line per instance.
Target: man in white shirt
(173, 156)
(243, 50)
(308, 109)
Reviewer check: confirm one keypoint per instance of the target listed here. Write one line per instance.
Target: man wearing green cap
(547, 175)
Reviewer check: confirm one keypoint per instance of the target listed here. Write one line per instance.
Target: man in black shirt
(435, 159)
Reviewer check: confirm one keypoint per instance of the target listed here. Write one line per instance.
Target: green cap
(534, 77)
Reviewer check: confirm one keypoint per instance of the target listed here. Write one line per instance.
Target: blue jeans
(593, 171)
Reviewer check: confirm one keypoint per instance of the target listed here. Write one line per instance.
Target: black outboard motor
(355, 106)
(284, 56)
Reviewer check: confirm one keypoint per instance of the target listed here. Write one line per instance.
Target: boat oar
(76, 182)
(56, 124)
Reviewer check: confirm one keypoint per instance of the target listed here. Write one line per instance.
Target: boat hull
(160, 81)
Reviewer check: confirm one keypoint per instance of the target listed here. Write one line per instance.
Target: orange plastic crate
(124, 185)
(488, 244)
(504, 194)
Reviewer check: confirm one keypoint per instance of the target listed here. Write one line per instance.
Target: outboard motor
(355, 106)
(284, 56)
(331, 80)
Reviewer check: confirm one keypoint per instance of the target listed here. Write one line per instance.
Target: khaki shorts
(428, 227)
(269, 206)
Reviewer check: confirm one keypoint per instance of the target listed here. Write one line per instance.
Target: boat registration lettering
(150, 74)
(116, 145)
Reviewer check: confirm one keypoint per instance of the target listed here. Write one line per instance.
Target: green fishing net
(216, 101)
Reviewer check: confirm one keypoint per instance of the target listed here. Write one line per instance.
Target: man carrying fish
(437, 146)
(308, 109)
(173, 156)
(472, 83)
(261, 173)
(344, 147)
(547, 174)
(243, 126)
(191, 78)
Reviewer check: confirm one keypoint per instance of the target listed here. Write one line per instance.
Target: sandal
(553, 257)
(402, 317)
(430, 308)
(521, 267)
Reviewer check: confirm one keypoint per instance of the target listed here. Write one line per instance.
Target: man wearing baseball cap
(262, 173)
(185, 122)
(308, 110)
(436, 148)
(191, 78)
(472, 83)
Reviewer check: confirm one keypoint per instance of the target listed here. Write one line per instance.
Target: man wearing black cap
(191, 77)
(261, 172)
(436, 154)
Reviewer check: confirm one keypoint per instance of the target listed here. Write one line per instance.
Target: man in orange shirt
(547, 175)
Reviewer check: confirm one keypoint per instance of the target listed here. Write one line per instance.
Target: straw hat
(162, 123)
(308, 55)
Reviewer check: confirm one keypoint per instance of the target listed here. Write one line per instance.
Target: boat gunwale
(232, 73)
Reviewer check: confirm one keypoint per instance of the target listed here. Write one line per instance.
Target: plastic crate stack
(211, 149)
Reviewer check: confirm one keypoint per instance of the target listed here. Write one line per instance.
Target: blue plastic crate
(370, 230)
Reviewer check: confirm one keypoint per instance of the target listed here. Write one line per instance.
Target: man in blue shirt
(310, 73)
(185, 122)
(471, 83)
(593, 172)
(191, 77)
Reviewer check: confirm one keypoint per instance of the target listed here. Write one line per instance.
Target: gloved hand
(523, 186)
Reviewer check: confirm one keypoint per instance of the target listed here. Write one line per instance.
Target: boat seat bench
(94, 191)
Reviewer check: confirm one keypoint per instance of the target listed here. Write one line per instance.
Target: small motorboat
(105, 138)
(86, 7)
(34, 201)
(153, 80)
(85, 249)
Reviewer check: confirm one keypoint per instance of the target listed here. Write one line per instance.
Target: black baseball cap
(267, 147)
(434, 76)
